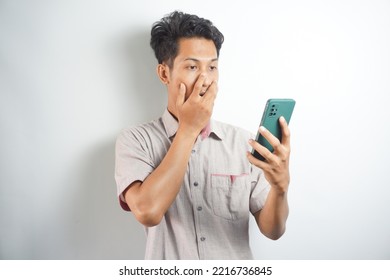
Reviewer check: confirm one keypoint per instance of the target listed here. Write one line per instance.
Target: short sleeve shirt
(209, 218)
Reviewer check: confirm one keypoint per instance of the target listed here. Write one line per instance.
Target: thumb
(181, 96)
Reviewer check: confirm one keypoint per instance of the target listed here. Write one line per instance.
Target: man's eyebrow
(197, 60)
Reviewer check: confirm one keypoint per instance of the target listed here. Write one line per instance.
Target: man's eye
(213, 68)
(192, 67)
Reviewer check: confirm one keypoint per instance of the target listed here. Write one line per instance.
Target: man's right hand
(195, 112)
(150, 200)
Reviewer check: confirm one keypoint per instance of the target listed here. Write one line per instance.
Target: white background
(74, 73)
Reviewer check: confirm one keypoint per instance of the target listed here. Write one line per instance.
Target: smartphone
(274, 109)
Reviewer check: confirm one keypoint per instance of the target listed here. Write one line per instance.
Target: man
(188, 179)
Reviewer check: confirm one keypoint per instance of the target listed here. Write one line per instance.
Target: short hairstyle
(167, 32)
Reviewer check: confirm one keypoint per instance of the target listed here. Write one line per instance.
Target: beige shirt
(210, 217)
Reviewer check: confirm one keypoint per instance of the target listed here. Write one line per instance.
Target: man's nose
(207, 81)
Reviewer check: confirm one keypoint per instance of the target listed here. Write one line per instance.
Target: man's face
(196, 56)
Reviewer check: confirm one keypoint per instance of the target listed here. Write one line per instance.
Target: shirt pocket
(230, 195)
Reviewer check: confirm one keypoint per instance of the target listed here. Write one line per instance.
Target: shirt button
(193, 151)
(196, 184)
(199, 208)
(202, 238)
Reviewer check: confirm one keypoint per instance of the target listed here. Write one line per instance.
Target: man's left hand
(276, 164)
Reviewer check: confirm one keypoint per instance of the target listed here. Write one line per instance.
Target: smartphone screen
(274, 109)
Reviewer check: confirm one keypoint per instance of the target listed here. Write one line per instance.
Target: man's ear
(163, 73)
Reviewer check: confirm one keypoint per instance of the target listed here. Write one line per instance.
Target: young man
(188, 179)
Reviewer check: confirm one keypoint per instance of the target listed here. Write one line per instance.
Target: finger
(259, 163)
(269, 157)
(275, 143)
(211, 92)
(285, 131)
(181, 97)
(198, 87)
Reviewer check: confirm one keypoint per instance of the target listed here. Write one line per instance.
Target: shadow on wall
(143, 95)
(100, 229)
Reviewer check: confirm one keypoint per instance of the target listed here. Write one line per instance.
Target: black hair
(166, 33)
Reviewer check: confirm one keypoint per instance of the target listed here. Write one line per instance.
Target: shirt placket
(197, 186)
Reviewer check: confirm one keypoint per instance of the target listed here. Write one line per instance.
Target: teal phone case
(274, 109)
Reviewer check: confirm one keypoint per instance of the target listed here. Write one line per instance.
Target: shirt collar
(171, 125)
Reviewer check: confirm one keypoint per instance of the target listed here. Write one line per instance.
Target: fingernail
(262, 128)
(282, 119)
(250, 141)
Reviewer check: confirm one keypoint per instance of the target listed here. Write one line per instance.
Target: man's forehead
(197, 49)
